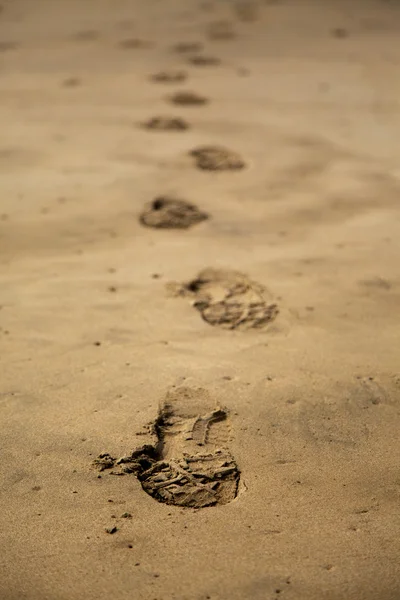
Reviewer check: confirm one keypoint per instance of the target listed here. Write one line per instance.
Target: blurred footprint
(166, 124)
(229, 299)
(200, 60)
(188, 99)
(187, 47)
(220, 31)
(134, 44)
(217, 158)
(169, 212)
(169, 77)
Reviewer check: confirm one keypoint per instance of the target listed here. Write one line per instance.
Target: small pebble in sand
(111, 530)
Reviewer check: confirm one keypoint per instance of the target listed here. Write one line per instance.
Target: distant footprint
(134, 44)
(200, 60)
(229, 299)
(220, 31)
(188, 47)
(217, 158)
(169, 77)
(206, 6)
(189, 465)
(188, 99)
(167, 212)
(166, 124)
(246, 10)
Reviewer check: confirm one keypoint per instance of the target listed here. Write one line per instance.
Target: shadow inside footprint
(134, 44)
(217, 158)
(220, 31)
(246, 10)
(229, 299)
(187, 47)
(166, 124)
(200, 60)
(189, 464)
(166, 212)
(169, 77)
(188, 99)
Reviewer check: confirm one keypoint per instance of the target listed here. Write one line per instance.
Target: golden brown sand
(263, 339)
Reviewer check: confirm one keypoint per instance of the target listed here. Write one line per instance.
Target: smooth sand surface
(92, 340)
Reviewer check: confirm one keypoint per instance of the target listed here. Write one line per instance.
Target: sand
(247, 335)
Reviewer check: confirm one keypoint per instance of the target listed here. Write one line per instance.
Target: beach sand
(199, 252)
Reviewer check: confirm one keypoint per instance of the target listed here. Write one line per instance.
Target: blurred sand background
(90, 340)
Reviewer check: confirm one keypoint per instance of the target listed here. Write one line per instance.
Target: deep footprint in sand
(189, 464)
(229, 299)
(166, 124)
(217, 158)
(168, 212)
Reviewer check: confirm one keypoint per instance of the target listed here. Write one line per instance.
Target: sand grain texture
(264, 391)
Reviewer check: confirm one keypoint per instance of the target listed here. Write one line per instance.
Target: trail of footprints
(190, 464)
(177, 213)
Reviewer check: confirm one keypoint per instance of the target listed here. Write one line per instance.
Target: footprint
(189, 465)
(188, 47)
(200, 60)
(134, 43)
(229, 299)
(166, 124)
(220, 31)
(169, 77)
(188, 99)
(217, 158)
(246, 11)
(167, 212)
(206, 6)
